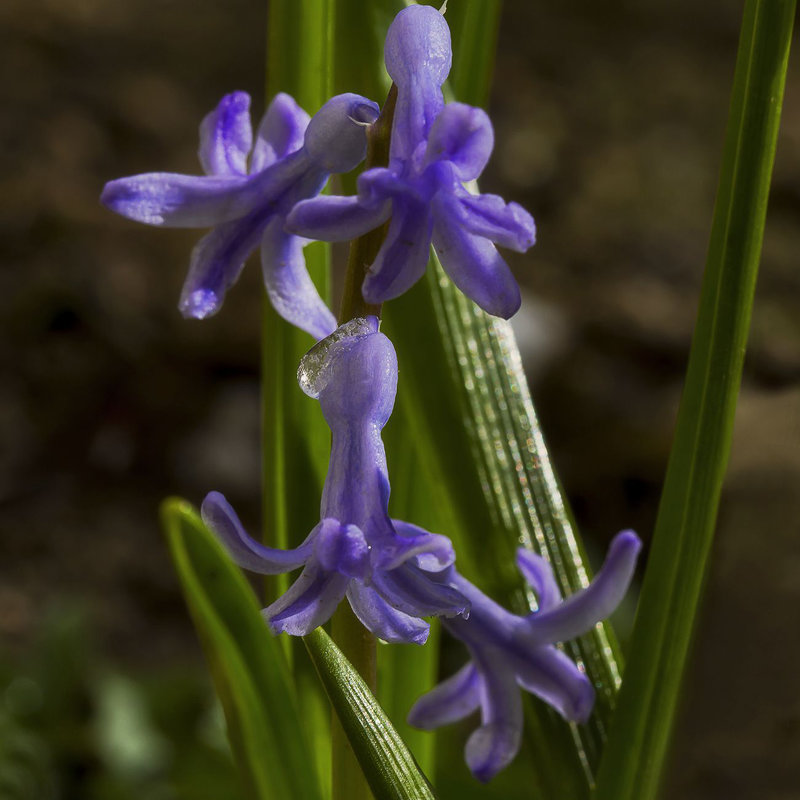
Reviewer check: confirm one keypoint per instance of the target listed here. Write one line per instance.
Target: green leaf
(295, 448)
(474, 27)
(407, 671)
(687, 514)
(246, 661)
(387, 763)
(479, 446)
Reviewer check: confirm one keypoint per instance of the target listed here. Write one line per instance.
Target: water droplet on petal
(313, 373)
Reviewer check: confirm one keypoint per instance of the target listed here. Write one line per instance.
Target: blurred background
(609, 122)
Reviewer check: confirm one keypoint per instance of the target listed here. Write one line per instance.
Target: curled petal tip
(491, 748)
(627, 539)
(583, 704)
(199, 304)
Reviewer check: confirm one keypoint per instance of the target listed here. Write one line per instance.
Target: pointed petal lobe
(472, 262)
(335, 219)
(539, 575)
(581, 611)
(223, 522)
(403, 257)
(493, 746)
(506, 224)
(171, 200)
(452, 700)
(280, 132)
(289, 286)
(462, 135)
(226, 136)
(387, 623)
(552, 676)
(309, 602)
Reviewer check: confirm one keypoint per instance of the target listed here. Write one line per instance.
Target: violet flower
(433, 150)
(386, 568)
(509, 652)
(290, 161)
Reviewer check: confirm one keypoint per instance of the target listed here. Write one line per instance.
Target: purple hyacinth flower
(434, 150)
(386, 568)
(291, 160)
(509, 652)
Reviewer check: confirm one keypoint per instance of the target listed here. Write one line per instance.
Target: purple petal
(418, 57)
(379, 183)
(226, 136)
(539, 575)
(432, 551)
(403, 257)
(357, 387)
(177, 201)
(506, 224)
(472, 262)
(336, 137)
(222, 521)
(452, 700)
(280, 133)
(289, 286)
(380, 618)
(584, 609)
(550, 675)
(309, 602)
(217, 260)
(493, 746)
(335, 219)
(411, 590)
(462, 135)
(342, 548)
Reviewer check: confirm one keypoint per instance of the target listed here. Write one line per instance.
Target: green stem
(639, 738)
(364, 249)
(353, 639)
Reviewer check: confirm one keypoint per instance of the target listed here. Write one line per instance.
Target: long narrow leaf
(295, 437)
(247, 663)
(687, 515)
(484, 457)
(387, 763)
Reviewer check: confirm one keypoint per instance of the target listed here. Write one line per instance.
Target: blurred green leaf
(295, 438)
(687, 514)
(474, 27)
(386, 761)
(406, 672)
(247, 663)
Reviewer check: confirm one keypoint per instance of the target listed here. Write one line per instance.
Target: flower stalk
(353, 639)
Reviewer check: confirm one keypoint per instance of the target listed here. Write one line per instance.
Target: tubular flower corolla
(386, 568)
(291, 160)
(510, 652)
(434, 150)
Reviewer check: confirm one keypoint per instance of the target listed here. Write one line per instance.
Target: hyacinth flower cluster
(434, 149)
(356, 550)
(291, 160)
(266, 193)
(394, 573)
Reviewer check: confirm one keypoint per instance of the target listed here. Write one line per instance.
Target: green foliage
(388, 765)
(687, 515)
(246, 661)
(72, 726)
